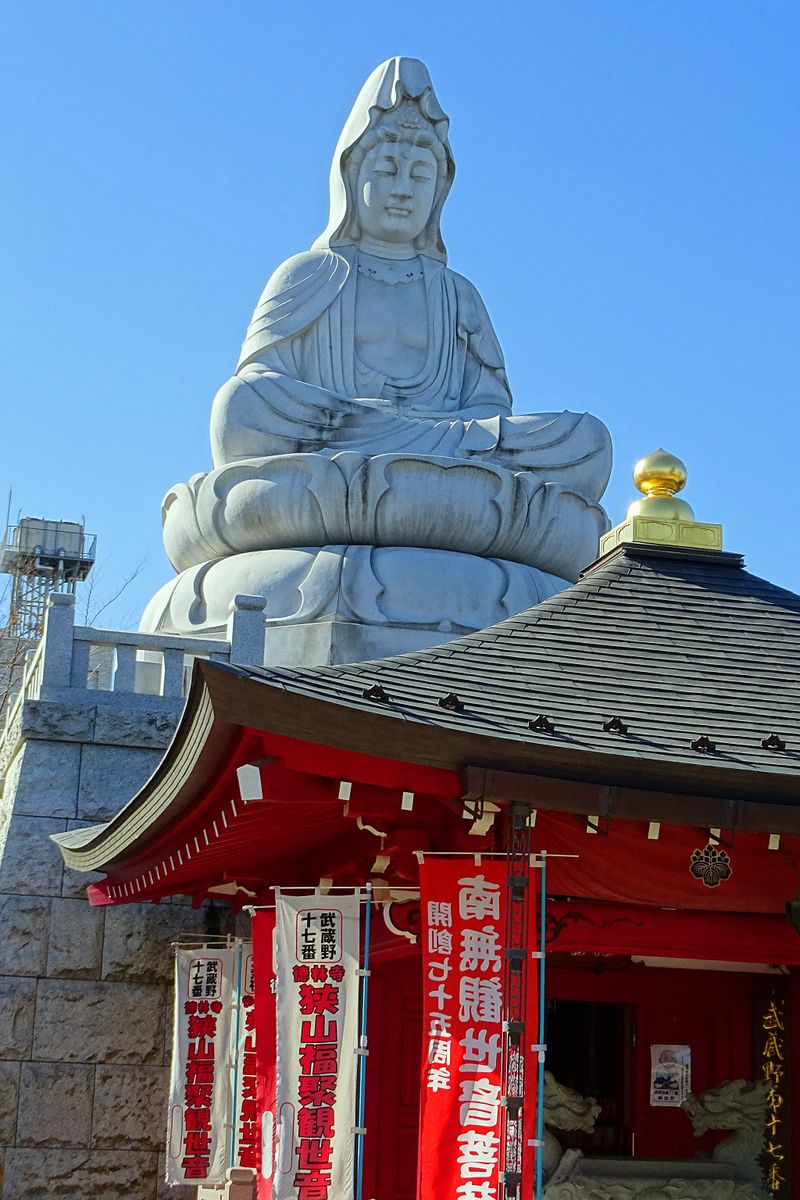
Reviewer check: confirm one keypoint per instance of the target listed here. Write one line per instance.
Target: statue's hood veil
(390, 83)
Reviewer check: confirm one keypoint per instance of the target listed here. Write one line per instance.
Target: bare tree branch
(91, 615)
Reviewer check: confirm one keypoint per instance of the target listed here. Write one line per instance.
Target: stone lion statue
(738, 1105)
(566, 1110)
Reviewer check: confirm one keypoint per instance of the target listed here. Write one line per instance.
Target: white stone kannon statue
(368, 473)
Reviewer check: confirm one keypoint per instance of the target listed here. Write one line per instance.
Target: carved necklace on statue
(390, 270)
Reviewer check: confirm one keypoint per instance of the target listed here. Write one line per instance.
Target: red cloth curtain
(586, 927)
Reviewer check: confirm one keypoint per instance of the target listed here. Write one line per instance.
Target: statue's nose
(401, 185)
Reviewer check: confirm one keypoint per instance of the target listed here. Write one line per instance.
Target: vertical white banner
(316, 959)
(200, 1085)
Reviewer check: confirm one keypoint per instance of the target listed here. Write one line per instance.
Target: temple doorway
(590, 1049)
(605, 1020)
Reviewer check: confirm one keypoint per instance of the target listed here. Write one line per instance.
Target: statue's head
(393, 167)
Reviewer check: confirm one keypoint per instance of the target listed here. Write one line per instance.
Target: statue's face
(395, 191)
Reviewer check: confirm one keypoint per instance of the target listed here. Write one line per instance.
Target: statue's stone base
(325, 642)
(350, 603)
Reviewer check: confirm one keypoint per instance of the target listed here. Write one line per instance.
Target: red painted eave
(301, 830)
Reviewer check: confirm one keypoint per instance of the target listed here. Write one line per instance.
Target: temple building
(639, 731)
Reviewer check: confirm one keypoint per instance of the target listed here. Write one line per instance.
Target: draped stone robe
(300, 387)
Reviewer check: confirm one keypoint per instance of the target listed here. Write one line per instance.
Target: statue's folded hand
(355, 406)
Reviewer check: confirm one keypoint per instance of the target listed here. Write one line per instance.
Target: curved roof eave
(676, 645)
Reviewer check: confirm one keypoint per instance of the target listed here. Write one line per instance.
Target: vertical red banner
(266, 1039)
(247, 1129)
(463, 925)
(533, 1036)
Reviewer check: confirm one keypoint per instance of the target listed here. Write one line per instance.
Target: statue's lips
(393, 211)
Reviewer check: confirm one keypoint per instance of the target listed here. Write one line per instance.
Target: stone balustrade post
(247, 630)
(59, 625)
(240, 1184)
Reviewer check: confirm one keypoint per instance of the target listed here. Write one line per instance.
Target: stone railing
(77, 662)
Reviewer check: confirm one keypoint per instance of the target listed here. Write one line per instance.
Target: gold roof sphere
(660, 475)
(659, 518)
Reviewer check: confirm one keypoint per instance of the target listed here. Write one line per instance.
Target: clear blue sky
(627, 202)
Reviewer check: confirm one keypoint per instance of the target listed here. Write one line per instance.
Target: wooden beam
(633, 804)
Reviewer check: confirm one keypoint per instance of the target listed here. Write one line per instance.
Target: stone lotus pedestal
(360, 557)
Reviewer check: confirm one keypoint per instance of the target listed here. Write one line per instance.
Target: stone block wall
(84, 993)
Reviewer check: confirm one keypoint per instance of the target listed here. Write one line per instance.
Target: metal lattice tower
(42, 557)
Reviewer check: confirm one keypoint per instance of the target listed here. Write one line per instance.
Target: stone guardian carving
(732, 1173)
(740, 1106)
(567, 1110)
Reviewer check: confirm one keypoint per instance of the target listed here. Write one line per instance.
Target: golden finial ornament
(659, 476)
(659, 517)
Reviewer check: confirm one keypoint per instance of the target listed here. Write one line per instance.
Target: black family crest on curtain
(711, 866)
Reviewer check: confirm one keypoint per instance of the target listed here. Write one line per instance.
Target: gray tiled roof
(676, 643)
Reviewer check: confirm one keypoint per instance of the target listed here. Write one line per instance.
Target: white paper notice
(670, 1075)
